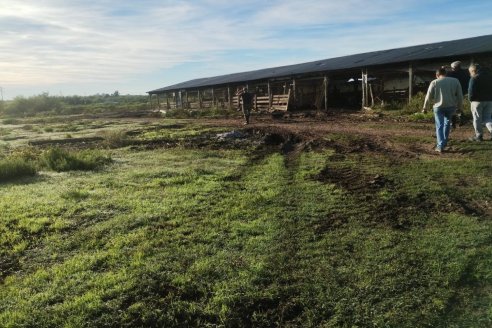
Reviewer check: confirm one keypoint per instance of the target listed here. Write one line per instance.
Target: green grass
(198, 237)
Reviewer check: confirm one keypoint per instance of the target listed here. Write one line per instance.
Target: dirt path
(372, 133)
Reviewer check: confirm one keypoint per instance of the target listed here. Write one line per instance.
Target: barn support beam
(371, 94)
(366, 92)
(199, 99)
(229, 98)
(363, 89)
(325, 90)
(294, 91)
(410, 82)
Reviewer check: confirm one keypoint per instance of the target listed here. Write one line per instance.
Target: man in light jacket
(445, 93)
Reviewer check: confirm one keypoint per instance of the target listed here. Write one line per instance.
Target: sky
(84, 47)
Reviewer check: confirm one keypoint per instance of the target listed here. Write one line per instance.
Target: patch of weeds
(205, 112)
(76, 195)
(421, 117)
(27, 153)
(410, 139)
(4, 132)
(48, 129)
(61, 160)
(415, 104)
(11, 121)
(4, 149)
(27, 127)
(68, 128)
(16, 167)
(115, 138)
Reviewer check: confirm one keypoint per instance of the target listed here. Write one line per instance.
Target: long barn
(354, 81)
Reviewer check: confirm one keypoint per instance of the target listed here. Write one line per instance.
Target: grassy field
(181, 228)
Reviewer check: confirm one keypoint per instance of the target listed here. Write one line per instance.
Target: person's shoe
(438, 149)
(476, 138)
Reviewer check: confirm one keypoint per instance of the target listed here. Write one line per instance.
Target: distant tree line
(47, 104)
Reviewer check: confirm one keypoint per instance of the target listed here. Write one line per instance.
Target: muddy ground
(372, 131)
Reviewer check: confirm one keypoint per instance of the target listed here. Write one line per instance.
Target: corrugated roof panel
(476, 45)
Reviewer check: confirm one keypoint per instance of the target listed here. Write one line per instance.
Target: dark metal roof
(476, 45)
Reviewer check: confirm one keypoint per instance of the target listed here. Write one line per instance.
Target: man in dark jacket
(480, 95)
(464, 77)
(245, 99)
(461, 74)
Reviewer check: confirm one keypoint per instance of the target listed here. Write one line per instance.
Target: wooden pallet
(265, 103)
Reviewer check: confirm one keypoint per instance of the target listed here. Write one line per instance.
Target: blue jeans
(442, 116)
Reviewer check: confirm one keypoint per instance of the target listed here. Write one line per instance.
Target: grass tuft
(115, 138)
(61, 160)
(15, 168)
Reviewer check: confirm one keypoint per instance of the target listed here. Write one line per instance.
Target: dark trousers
(246, 112)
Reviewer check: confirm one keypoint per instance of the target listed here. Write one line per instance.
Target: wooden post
(199, 100)
(213, 97)
(229, 97)
(372, 95)
(363, 90)
(410, 82)
(269, 95)
(158, 102)
(325, 87)
(294, 90)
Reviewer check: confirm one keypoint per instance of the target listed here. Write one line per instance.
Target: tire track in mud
(283, 260)
(292, 232)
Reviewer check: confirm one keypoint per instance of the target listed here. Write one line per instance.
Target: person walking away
(461, 74)
(246, 98)
(480, 95)
(445, 93)
(464, 77)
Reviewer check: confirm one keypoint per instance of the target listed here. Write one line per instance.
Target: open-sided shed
(357, 80)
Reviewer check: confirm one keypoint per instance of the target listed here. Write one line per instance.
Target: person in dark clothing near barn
(463, 76)
(245, 100)
(480, 95)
